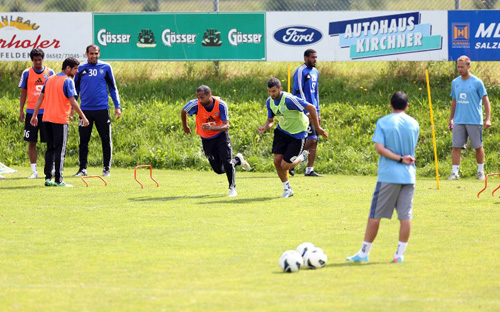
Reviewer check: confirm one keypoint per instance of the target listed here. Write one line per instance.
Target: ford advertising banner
(22, 32)
(182, 36)
(363, 35)
(475, 34)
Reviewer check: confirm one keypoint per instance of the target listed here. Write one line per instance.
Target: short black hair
(399, 100)
(203, 88)
(308, 52)
(92, 46)
(274, 82)
(71, 62)
(37, 52)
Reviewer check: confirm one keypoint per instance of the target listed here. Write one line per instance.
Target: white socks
(286, 185)
(401, 250)
(454, 169)
(309, 170)
(33, 168)
(365, 249)
(480, 167)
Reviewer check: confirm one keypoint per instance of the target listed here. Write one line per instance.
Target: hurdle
(150, 174)
(88, 177)
(486, 184)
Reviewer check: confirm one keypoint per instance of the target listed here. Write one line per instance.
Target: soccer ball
(304, 247)
(290, 261)
(315, 258)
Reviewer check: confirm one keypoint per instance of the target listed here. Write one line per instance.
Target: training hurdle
(486, 184)
(150, 174)
(88, 177)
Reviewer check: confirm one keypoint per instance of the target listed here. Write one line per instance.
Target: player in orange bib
(32, 81)
(58, 96)
(212, 125)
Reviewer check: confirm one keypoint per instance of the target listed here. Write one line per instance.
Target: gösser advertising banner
(475, 34)
(58, 35)
(364, 35)
(184, 36)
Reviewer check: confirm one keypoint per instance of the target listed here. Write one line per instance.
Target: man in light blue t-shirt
(395, 141)
(466, 117)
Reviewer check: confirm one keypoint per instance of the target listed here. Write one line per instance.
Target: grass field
(185, 246)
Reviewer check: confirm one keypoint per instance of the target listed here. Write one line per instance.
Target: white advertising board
(358, 35)
(59, 35)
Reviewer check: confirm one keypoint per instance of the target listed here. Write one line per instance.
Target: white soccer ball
(315, 258)
(304, 247)
(291, 261)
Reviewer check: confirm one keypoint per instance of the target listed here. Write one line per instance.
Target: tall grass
(352, 95)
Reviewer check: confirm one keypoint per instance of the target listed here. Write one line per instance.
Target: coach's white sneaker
(480, 175)
(287, 193)
(34, 175)
(244, 164)
(453, 176)
(232, 192)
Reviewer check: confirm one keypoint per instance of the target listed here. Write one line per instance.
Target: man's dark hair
(71, 62)
(203, 88)
(37, 52)
(92, 46)
(274, 82)
(399, 100)
(308, 52)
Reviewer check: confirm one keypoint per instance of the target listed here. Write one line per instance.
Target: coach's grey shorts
(462, 132)
(388, 196)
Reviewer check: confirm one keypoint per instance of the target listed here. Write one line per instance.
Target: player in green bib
(291, 133)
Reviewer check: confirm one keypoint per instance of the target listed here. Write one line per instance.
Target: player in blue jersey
(93, 80)
(291, 132)
(395, 141)
(212, 125)
(31, 84)
(305, 86)
(466, 117)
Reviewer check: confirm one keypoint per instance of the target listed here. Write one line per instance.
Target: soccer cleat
(480, 175)
(244, 164)
(106, 173)
(287, 193)
(357, 258)
(50, 183)
(63, 184)
(81, 173)
(398, 259)
(292, 172)
(453, 176)
(34, 175)
(313, 174)
(304, 154)
(232, 192)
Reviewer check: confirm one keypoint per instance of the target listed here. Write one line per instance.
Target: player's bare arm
(384, 151)
(22, 100)
(452, 113)
(223, 127)
(268, 125)
(313, 116)
(77, 109)
(185, 126)
(34, 118)
(487, 111)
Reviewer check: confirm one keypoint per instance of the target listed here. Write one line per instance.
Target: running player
(212, 125)
(32, 81)
(291, 132)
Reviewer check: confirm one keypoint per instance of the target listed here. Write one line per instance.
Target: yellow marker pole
(289, 77)
(432, 127)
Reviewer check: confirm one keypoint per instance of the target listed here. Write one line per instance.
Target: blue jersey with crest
(305, 85)
(92, 83)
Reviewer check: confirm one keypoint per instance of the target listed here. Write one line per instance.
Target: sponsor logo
(463, 96)
(461, 35)
(298, 35)
(490, 31)
(211, 38)
(169, 37)
(236, 37)
(146, 39)
(13, 22)
(17, 22)
(385, 35)
(105, 37)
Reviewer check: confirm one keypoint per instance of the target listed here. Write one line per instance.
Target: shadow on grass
(168, 198)
(20, 187)
(232, 201)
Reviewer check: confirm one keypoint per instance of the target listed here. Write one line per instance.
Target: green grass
(186, 246)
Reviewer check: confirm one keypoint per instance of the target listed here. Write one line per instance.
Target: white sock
(480, 167)
(33, 168)
(454, 169)
(401, 249)
(309, 170)
(365, 249)
(286, 185)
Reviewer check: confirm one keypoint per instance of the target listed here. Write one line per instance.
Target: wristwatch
(400, 159)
